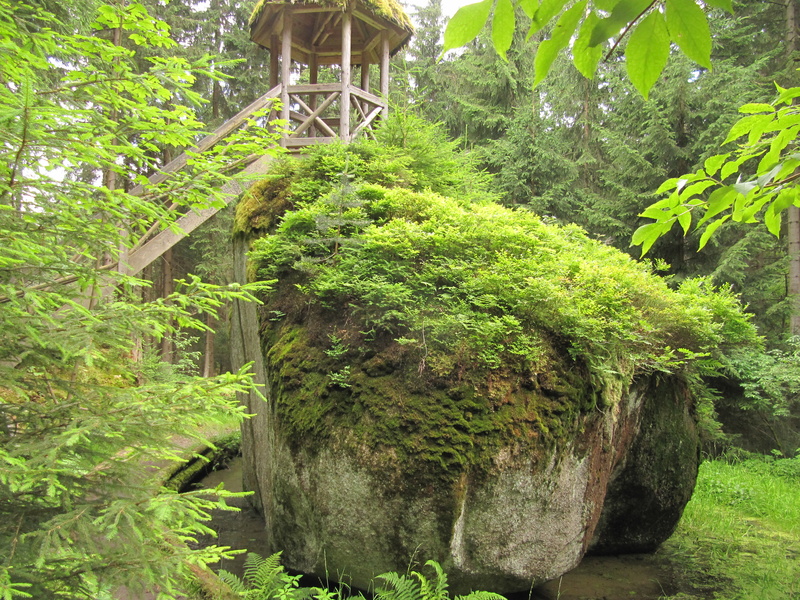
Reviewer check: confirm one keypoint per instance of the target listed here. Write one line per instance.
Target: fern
(266, 579)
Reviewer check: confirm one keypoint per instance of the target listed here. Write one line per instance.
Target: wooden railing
(314, 118)
(315, 113)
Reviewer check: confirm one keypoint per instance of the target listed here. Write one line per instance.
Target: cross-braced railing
(315, 113)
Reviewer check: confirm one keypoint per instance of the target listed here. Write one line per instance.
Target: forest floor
(739, 539)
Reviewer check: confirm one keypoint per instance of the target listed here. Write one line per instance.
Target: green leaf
(529, 7)
(757, 107)
(720, 200)
(466, 24)
(710, 231)
(685, 220)
(586, 57)
(772, 220)
(547, 10)
(746, 125)
(688, 28)
(503, 27)
(647, 52)
(647, 235)
(623, 13)
(726, 5)
(668, 185)
(713, 163)
(562, 32)
(733, 166)
(749, 213)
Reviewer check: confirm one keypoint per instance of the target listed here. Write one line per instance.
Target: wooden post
(364, 75)
(273, 62)
(344, 99)
(385, 72)
(286, 65)
(313, 72)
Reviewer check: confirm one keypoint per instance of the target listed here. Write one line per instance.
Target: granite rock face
(603, 468)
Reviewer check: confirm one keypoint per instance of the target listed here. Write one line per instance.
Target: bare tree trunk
(167, 287)
(793, 217)
(208, 358)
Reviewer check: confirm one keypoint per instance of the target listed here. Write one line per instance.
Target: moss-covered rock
(459, 381)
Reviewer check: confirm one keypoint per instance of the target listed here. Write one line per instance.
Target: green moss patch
(437, 330)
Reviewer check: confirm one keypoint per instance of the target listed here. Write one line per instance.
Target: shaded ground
(629, 577)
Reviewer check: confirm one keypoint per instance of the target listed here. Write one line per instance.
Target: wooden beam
(318, 88)
(368, 119)
(385, 72)
(366, 96)
(319, 29)
(286, 62)
(344, 104)
(180, 161)
(326, 33)
(313, 72)
(140, 257)
(313, 114)
(273, 62)
(364, 74)
(298, 142)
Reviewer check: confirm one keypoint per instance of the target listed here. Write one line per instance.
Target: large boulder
(459, 382)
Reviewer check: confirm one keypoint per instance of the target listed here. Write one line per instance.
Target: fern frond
(439, 589)
(480, 595)
(401, 587)
(232, 581)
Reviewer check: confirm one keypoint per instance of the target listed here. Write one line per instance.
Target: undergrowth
(266, 579)
(739, 538)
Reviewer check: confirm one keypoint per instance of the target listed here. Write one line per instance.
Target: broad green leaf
(787, 95)
(466, 24)
(688, 28)
(710, 231)
(746, 125)
(757, 107)
(767, 178)
(772, 220)
(549, 49)
(685, 220)
(647, 52)
(772, 216)
(726, 5)
(696, 188)
(749, 213)
(646, 235)
(732, 166)
(667, 185)
(720, 200)
(586, 57)
(777, 146)
(503, 27)
(606, 5)
(623, 13)
(713, 163)
(788, 167)
(529, 7)
(547, 10)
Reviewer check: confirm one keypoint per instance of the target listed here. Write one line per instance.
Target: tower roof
(316, 28)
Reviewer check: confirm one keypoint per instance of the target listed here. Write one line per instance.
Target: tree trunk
(167, 287)
(793, 233)
(208, 358)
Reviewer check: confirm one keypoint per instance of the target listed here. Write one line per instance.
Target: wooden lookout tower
(343, 33)
(313, 33)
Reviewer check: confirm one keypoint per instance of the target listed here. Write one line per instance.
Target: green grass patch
(739, 537)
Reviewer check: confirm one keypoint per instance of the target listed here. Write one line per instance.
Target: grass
(739, 537)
